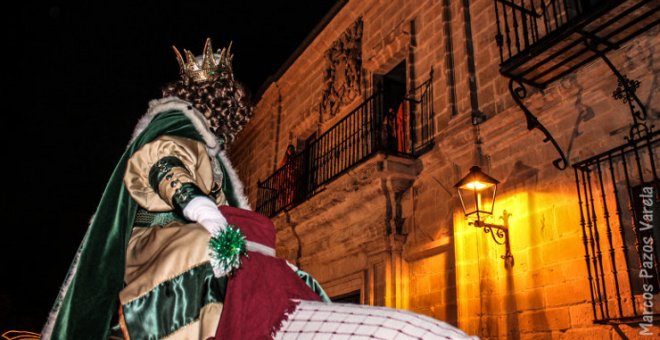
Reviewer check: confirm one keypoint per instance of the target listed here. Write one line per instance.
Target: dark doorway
(396, 122)
(352, 297)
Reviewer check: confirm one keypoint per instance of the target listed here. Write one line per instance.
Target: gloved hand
(223, 259)
(204, 211)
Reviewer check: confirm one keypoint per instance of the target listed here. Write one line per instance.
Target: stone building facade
(388, 228)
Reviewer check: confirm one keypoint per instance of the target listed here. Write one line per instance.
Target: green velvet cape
(91, 300)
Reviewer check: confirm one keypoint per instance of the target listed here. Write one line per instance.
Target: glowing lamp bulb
(476, 185)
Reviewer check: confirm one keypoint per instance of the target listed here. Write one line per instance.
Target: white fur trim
(260, 248)
(235, 181)
(157, 106)
(47, 331)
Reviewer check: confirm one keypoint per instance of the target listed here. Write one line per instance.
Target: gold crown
(209, 69)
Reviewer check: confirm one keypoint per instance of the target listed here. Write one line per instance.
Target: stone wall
(439, 265)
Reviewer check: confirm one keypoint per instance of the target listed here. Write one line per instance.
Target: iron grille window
(619, 201)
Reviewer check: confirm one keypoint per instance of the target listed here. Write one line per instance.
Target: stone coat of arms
(343, 75)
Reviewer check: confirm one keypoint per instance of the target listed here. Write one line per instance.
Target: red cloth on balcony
(400, 131)
(287, 179)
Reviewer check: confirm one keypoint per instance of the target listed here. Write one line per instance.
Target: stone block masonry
(436, 263)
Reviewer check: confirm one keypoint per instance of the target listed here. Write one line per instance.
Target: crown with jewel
(212, 67)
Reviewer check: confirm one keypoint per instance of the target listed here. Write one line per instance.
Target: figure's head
(290, 150)
(208, 83)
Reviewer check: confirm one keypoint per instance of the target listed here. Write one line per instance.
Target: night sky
(80, 76)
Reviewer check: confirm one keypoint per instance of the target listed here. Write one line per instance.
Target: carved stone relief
(343, 74)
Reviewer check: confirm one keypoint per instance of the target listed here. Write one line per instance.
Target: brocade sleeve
(168, 172)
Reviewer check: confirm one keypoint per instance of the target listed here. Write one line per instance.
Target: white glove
(204, 211)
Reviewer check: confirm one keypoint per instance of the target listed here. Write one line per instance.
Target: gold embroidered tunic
(166, 254)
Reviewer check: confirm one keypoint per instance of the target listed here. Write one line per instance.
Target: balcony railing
(422, 123)
(366, 130)
(542, 40)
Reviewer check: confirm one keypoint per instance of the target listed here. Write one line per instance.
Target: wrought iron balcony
(362, 133)
(542, 40)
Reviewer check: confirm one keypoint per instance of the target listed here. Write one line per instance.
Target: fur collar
(157, 106)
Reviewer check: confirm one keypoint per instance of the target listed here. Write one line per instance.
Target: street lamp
(477, 192)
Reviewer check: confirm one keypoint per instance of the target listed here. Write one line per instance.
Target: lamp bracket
(500, 234)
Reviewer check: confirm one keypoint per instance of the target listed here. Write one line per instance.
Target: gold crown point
(191, 62)
(228, 52)
(230, 56)
(212, 66)
(208, 63)
(179, 59)
(222, 54)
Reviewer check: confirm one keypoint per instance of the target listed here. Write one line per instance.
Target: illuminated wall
(439, 265)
